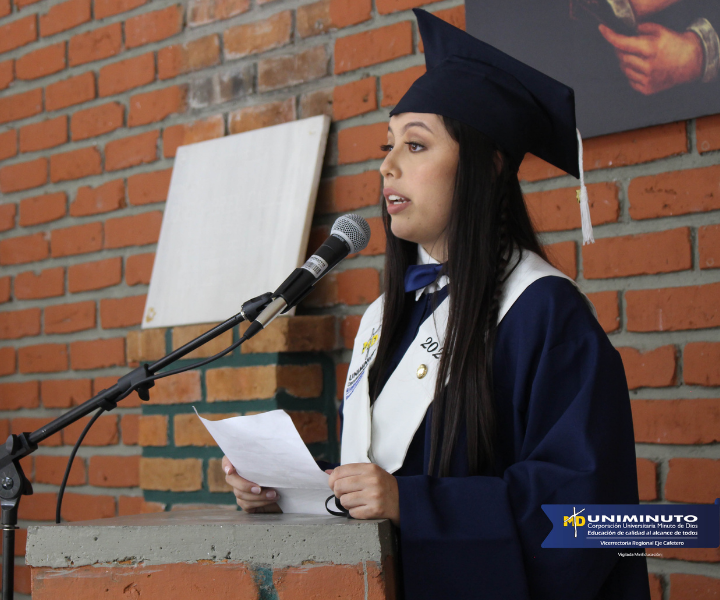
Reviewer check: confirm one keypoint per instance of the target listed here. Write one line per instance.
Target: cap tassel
(583, 199)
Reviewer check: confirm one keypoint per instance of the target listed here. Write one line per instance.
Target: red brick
(136, 230)
(701, 363)
(313, 19)
(131, 151)
(78, 239)
(103, 433)
(115, 471)
(62, 17)
(349, 192)
(138, 268)
(5, 289)
(153, 26)
(558, 210)
(94, 275)
(675, 193)
(191, 56)
(358, 286)
(24, 249)
(20, 106)
(24, 176)
(6, 73)
(43, 135)
(69, 92)
(48, 284)
(18, 33)
(354, 98)
(64, 393)
(377, 237)
(673, 309)
(104, 198)
(262, 115)
(97, 354)
(24, 394)
(41, 62)
(693, 587)
(258, 36)
(156, 106)
(129, 425)
(358, 144)
(23, 3)
(695, 480)
(121, 312)
(86, 507)
(385, 7)
(95, 45)
(191, 133)
(97, 120)
(455, 16)
(394, 85)
(563, 256)
(42, 209)
(643, 254)
(19, 323)
(709, 246)
(348, 330)
(7, 218)
(337, 581)
(284, 71)
(202, 12)
(689, 422)
(707, 131)
(136, 505)
(5, 8)
(108, 8)
(8, 144)
(7, 363)
(51, 469)
(75, 164)
(146, 188)
(126, 75)
(69, 318)
(654, 368)
(372, 47)
(647, 479)
(38, 507)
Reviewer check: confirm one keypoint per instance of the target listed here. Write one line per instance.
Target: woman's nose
(389, 166)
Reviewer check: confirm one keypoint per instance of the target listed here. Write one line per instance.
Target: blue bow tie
(418, 276)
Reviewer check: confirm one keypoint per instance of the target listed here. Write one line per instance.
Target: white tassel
(582, 196)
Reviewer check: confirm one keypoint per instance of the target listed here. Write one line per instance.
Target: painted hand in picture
(657, 58)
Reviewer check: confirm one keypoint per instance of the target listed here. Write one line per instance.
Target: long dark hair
(488, 221)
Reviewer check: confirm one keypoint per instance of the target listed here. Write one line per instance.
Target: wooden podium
(214, 555)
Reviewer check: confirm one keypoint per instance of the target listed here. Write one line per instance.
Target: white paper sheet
(268, 450)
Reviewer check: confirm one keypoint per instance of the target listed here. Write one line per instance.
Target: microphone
(349, 234)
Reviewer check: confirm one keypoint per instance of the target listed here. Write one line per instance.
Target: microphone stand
(13, 482)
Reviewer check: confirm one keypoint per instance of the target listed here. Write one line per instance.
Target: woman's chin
(402, 231)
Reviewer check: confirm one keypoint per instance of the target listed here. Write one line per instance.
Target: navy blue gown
(565, 436)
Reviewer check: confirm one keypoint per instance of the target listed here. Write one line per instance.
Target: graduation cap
(519, 108)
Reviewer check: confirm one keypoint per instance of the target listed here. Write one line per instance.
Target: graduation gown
(564, 436)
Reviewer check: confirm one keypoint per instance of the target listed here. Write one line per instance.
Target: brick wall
(95, 98)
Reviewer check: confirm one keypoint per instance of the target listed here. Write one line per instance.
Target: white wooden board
(237, 221)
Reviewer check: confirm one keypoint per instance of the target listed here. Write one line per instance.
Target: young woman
(481, 385)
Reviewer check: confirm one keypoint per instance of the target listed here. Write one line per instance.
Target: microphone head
(354, 230)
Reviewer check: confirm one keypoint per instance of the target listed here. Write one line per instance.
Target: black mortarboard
(521, 109)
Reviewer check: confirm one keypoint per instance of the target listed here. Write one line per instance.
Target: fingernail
(227, 470)
(271, 494)
(255, 490)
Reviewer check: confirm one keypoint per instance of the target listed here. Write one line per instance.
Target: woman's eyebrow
(411, 124)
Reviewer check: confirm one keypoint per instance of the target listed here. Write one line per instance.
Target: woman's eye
(386, 147)
(414, 144)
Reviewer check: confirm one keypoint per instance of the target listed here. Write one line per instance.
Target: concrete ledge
(273, 540)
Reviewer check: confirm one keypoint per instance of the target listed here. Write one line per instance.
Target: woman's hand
(367, 491)
(250, 496)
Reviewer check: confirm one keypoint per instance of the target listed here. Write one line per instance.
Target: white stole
(382, 433)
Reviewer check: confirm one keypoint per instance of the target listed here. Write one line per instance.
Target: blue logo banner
(623, 525)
